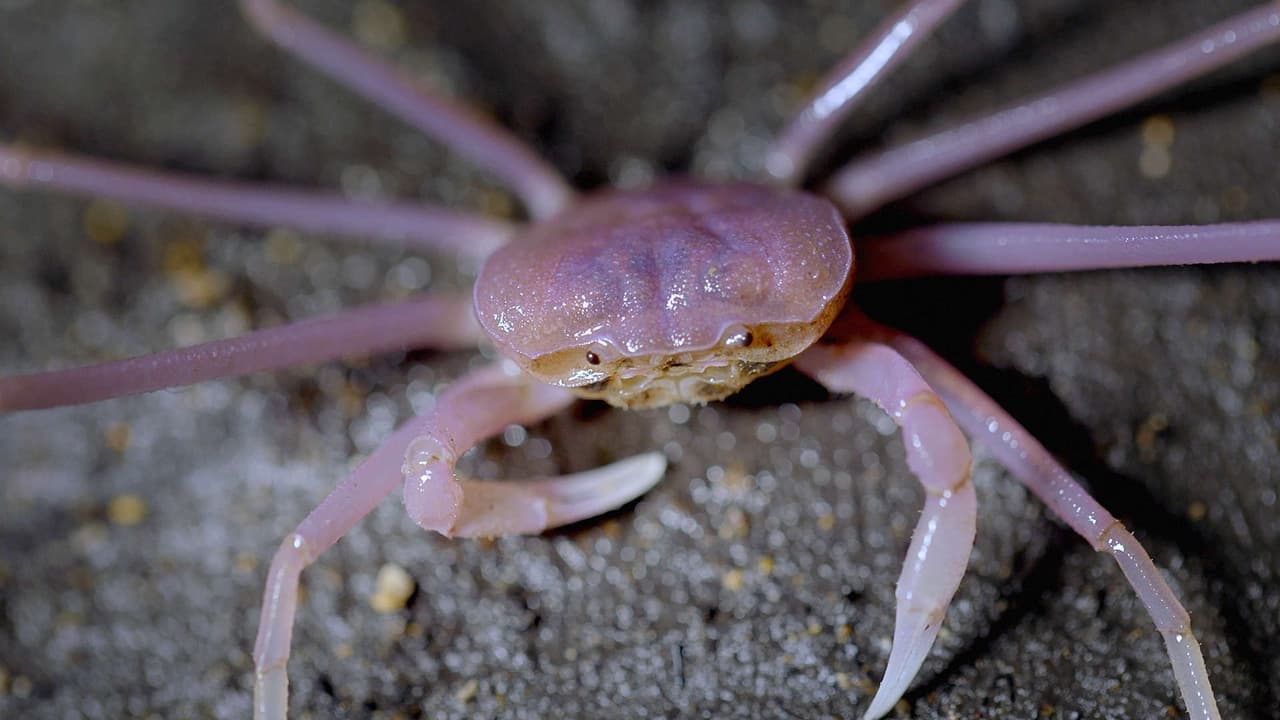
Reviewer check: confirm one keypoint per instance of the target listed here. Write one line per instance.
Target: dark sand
(757, 579)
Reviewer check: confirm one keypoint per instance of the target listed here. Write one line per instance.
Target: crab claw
(491, 508)
(421, 454)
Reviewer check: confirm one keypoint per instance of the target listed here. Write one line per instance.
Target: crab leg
(421, 226)
(463, 130)
(839, 92)
(866, 184)
(422, 451)
(1010, 248)
(431, 321)
(939, 456)
(1027, 459)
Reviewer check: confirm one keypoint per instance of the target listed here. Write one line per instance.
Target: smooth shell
(665, 272)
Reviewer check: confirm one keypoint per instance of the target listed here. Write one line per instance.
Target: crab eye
(739, 337)
(598, 353)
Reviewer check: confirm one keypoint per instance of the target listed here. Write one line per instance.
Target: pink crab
(605, 359)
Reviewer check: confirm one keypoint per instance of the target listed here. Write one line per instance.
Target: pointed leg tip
(875, 712)
(913, 635)
(884, 700)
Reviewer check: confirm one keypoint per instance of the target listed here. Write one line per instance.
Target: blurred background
(757, 579)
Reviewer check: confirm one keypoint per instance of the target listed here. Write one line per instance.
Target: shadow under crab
(494, 613)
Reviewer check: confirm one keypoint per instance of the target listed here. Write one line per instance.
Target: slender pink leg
(866, 184)
(938, 454)
(848, 82)
(1010, 248)
(1027, 459)
(422, 452)
(420, 226)
(463, 130)
(434, 322)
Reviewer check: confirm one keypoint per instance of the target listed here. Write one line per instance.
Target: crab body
(682, 292)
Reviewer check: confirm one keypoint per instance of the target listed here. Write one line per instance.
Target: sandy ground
(757, 579)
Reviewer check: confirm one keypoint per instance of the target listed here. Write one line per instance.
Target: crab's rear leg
(420, 226)
(464, 130)
(839, 92)
(432, 321)
(1027, 459)
(1009, 248)
(869, 183)
(939, 456)
(423, 452)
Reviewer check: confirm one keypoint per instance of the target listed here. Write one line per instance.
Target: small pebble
(117, 436)
(765, 564)
(200, 288)
(735, 524)
(732, 580)
(392, 589)
(1158, 130)
(126, 510)
(105, 222)
(467, 692)
(826, 522)
(245, 563)
(1156, 159)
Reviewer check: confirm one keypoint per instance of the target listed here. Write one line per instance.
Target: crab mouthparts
(657, 380)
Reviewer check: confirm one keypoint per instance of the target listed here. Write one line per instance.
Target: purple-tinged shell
(682, 292)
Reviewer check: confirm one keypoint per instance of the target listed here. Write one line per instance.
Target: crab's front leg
(939, 456)
(1029, 462)
(423, 452)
